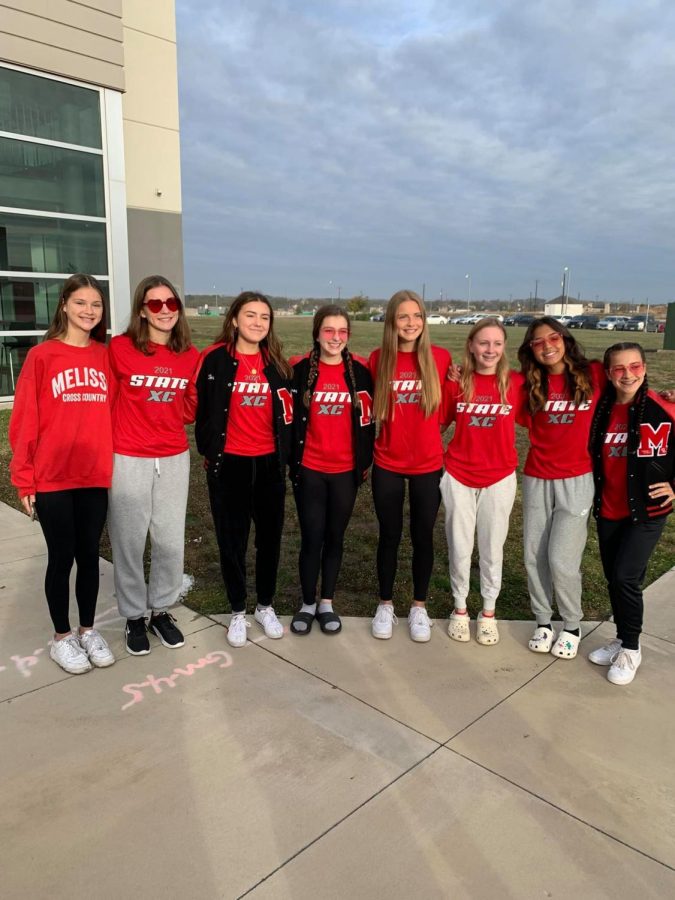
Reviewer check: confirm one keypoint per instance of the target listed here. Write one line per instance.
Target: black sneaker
(137, 637)
(163, 625)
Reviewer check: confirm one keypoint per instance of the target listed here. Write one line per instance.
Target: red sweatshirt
(483, 448)
(410, 443)
(153, 398)
(60, 430)
(559, 433)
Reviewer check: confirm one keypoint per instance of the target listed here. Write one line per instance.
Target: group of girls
(99, 432)
(256, 413)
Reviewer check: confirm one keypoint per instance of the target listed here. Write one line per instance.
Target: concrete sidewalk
(328, 767)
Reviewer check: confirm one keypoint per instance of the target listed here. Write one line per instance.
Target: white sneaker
(383, 620)
(267, 618)
(624, 666)
(603, 655)
(236, 630)
(94, 645)
(419, 624)
(68, 654)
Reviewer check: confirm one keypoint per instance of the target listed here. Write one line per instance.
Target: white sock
(327, 606)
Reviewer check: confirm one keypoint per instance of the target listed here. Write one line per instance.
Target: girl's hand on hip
(662, 489)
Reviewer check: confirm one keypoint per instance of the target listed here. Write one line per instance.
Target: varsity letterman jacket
(650, 458)
(215, 380)
(363, 424)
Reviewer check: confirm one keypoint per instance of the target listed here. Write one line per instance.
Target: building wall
(152, 141)
(80, 40)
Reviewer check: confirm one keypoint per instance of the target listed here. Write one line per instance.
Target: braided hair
(608, 399)
(314, 356)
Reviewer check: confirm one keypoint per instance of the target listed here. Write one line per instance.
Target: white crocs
(458, 627)
(566, 646)
(486, 630)
(542, 639)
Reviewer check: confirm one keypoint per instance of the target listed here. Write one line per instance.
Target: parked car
(377, 318)
(523, 319)
(612, 323)
(462, 320)
(437, 319)
(641, 323)
(583, 322)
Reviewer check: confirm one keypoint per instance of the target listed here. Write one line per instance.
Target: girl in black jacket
(332, 449)
(633, 448)
(244, 416)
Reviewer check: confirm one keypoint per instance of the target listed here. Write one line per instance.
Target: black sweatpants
(625, 548)
(72, 522)
(325, 504)
(248, 488)
(425, 498)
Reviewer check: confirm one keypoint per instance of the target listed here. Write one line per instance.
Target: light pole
(565, 288)
(468, 293)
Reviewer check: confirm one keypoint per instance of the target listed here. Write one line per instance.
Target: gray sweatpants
(148, 495)
(555, 525)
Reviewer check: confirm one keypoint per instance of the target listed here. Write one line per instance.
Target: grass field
(357, 587)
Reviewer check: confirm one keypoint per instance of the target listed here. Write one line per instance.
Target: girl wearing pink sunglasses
(332, 449)
(152, 365)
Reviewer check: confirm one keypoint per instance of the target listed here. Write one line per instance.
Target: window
(54, 217)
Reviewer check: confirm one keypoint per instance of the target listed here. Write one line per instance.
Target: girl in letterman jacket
(61, 440)
(408, 373)
(633, 449)
(244, 417)
(479, 482)
(332, 450)
(152, 364)
(562, 389)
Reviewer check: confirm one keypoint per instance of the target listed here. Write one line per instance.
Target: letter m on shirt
(654, 441)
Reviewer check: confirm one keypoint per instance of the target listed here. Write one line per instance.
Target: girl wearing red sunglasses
(152, 365)
(633, 447)
(332, 449)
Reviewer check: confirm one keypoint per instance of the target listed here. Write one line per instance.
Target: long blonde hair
(469, 364)
(386, 366)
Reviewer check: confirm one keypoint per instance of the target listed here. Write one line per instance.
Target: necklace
(252, 369)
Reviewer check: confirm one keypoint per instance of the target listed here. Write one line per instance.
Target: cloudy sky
(382, 144)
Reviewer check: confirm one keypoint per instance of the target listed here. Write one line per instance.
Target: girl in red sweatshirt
(152, 365)
(479, 482)
(408, 373)
(61, 441)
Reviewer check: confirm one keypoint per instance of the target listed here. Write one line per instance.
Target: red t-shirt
(559, 433)
(329, 443)
(410, 442)
(614, 504)
(483, 448)
(150, 406)
(60, 430)
(250, 423)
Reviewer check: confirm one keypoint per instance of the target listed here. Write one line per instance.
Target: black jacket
(650, 457)
(363, 424)
(215, 381)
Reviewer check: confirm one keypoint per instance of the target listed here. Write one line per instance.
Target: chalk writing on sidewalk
(136, 689)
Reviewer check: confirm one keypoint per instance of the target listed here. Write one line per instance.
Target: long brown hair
(319, 316)
(138, 329)
(59, 324)
(270, 344)
(469, 365)
(386, 366)
(577, 367)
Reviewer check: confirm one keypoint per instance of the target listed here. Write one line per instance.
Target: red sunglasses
(155, 305)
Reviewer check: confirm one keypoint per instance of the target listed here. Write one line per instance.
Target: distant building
(89, 158)
(558, 307)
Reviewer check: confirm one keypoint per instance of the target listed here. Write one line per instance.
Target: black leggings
(72, 522)
(325, 504)
(248, 488)
(625, 548)
(425, 498)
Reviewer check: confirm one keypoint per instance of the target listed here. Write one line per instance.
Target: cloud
(377, 146)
